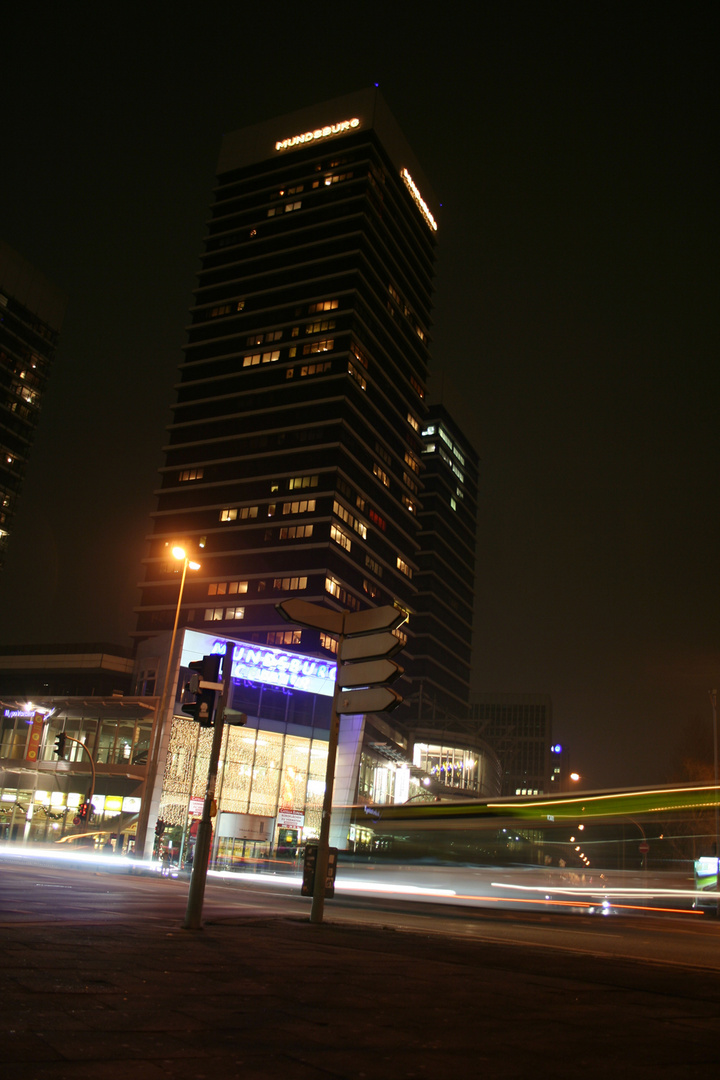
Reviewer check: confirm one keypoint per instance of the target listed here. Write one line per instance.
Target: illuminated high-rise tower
(295, 458)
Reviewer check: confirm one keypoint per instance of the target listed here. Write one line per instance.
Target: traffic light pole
(321, 867)
(82, 746)
(198, 878)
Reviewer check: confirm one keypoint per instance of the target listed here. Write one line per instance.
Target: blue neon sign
(264, 664)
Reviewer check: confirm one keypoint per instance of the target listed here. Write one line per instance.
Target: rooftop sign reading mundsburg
(318, 133)
(341, 128)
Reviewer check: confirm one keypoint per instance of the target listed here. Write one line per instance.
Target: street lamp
(179, 553)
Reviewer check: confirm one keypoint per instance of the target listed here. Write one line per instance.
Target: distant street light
(180, 554)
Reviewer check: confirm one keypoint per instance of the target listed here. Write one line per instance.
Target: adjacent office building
(31, 314)
(298, 458)
(446, 572)
(518, 727)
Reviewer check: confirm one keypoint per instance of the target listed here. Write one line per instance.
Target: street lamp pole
(144, 815)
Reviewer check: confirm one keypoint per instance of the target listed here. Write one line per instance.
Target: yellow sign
(318, 133)
(33, 749)
(421, 204)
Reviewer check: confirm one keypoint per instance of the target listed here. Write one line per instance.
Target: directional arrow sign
(373, 671)
(369, 699)
(304, 613)
(363, 648)
(379, 618)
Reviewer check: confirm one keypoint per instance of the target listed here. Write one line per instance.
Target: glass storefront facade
(40, 795)
(457, 767)
(269, 792)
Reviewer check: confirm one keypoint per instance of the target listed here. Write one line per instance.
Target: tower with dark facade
(294, 460)
(31, 314)
(446, 571)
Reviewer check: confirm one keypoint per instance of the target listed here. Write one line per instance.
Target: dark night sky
(573, 147)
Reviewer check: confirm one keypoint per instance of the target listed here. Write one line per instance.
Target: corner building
(293, 463)
(31, 314)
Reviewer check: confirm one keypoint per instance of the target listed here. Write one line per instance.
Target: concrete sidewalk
(258, 998)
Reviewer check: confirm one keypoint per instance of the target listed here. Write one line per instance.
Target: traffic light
(60, 741)
(84, 811)
(159, 827)
(207, 669)
(204, 681)
(202, 708)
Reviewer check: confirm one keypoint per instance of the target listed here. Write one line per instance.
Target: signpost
(363, 636)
